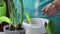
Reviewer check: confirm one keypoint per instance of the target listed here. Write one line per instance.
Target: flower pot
(37, 26)
(13, 31)
(3, 9)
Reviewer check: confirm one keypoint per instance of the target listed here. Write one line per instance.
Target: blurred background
(7, 14)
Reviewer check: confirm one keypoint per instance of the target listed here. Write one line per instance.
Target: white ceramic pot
(37, 26)
(13, 31)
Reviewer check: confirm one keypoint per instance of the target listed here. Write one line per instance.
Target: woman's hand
(50, 9)
(57, 2)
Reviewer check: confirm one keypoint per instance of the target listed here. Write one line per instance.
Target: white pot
(13, 31)
(37, 26)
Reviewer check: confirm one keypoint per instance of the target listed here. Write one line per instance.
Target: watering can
(39, 26)
(42, 25)
(2, 8)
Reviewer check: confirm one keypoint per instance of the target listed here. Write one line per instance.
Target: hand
(49, 10)
(57, 3)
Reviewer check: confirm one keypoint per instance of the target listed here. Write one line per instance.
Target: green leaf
(21, 12)
(28, 18)
(50, 27)
(5, 19)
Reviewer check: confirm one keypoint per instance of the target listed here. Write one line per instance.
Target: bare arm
(57, 3)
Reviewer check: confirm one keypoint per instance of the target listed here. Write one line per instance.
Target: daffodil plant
(12, 12)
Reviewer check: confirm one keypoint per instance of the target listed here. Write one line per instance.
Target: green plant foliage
(28, 18)
(5, 19)
(21, 12)
(13, 10)
(49, 27)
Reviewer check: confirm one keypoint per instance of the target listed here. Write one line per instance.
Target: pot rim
(32, 26)
(11, 30)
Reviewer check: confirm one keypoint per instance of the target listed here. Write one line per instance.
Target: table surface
(1, 32)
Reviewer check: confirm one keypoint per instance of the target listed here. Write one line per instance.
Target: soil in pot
(13, 28)
(2, 25)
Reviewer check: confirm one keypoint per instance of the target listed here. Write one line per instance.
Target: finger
(51, 9)
(49, 6)
(52, 12)
(46, 9)
(43, 11)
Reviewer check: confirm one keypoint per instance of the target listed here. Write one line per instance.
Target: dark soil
(2, 25)
(18, 27)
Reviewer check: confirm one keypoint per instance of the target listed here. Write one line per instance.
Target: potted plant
(2, 8)
(38, 25)
(13, 27)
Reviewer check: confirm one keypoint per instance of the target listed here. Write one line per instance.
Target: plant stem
(9, 8)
